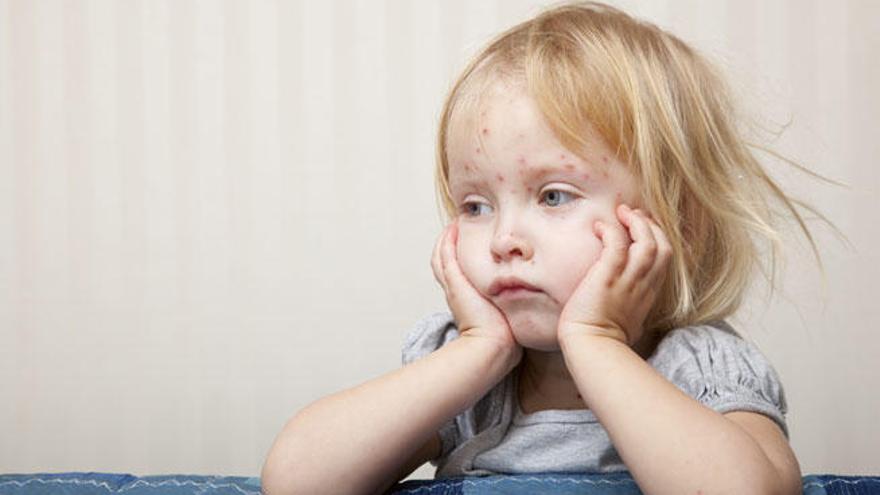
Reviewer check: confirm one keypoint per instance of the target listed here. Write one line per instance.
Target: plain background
(214, 213)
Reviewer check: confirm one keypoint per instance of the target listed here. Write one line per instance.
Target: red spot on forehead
(468, 167)
(478, 150)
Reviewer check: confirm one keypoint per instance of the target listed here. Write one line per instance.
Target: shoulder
(688, 342)
(427, 335)
(722, 369)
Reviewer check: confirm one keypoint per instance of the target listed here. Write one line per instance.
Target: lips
(502, 284)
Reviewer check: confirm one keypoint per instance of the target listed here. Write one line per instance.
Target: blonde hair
(668, 114)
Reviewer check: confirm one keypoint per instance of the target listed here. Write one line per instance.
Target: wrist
(579, 334)
(506, 353)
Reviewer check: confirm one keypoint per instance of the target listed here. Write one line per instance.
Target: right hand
(474, 314)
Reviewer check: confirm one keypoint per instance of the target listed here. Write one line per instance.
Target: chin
(534, 330)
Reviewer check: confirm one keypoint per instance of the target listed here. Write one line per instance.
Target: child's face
(526, 207)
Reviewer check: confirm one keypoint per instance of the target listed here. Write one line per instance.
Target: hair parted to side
(668, 114)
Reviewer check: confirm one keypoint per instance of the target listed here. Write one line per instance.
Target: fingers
(436, 261)
(452, 274)
(664, 256)
(649, 252)
(613, 258)
(643, 250)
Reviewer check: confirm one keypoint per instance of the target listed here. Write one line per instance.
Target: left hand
(620, 288)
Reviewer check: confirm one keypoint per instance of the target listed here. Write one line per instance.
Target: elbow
(273, 481)
(288, 471)
(276, 481)
(281, 470)
(788, 482)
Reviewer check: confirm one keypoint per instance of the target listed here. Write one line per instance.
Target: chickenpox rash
(485, 131)
(605, 174)
(521, 160)
(604, 159)
(587, 177)
(478, 151)
(500, 178)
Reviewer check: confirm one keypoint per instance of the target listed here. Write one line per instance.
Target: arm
(357, 441)
(669, 441)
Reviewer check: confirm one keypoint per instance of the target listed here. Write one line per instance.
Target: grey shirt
(710, 363)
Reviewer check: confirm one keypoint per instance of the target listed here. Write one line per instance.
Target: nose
(508, 244)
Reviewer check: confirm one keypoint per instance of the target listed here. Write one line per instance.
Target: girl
(602, 206)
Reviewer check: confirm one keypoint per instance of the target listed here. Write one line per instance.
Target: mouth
(516, 293)
(512, 287)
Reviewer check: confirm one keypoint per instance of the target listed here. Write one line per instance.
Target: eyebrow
(532, 172)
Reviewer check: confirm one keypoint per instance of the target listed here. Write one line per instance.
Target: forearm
(670, 442)
(359, 438)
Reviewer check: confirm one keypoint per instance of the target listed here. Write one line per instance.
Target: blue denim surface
(83, 483)
(603, 484)
(103, 483)
(522, 484)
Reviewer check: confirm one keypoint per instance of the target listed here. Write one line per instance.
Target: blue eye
(554, 197)
(473, 208)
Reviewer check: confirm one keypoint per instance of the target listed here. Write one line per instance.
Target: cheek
(468, 253)
(574, 259)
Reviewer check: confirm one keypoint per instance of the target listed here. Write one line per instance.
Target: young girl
(602, 205)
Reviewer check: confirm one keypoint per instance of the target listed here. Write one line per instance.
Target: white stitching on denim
(137, 483)
(478, 482)
(823, 484)
(551, 480)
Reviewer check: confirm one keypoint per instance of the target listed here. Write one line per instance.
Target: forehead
(503, 125)
(499, 124)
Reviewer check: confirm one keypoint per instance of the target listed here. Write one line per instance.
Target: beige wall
(214, 213)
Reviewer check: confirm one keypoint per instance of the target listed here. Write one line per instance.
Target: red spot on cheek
(605, 159)
(605, 174)
(618, 197)
(562, 156)
(467, 167)
(586, 177)
(478, 150)
(521, 160)
(485, 131)
(569, 166)
(500, 178)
